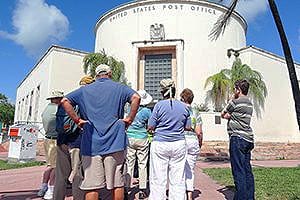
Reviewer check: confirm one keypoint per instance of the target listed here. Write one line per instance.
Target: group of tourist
(90, 144)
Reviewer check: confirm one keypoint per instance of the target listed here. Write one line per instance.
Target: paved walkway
(23, 184)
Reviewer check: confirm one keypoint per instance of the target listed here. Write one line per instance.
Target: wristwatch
(77, 120)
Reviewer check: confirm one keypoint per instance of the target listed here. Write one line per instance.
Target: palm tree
(258, 89)
(218, 94)
(222, 85)
(220, 26)
(92, 60)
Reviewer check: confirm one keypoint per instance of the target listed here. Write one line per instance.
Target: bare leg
(118, 193)
(91, 195)
(52, 177)
(46, 175)
(189, 195)
(75, 162)
(44, 186)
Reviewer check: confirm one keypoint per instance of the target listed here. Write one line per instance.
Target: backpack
(64, 124)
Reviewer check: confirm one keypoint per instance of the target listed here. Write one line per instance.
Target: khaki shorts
(101, 170)
(50, 152)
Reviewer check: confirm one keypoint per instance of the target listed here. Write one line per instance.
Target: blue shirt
(102, 104)
(169, 120)
(73, 140)
(138, 127)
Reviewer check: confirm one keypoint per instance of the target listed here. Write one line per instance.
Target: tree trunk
(288, 58)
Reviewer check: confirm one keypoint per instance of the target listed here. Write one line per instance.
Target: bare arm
(188, 128)
(134, 106)
(199, 133)
(71, 112)
(225, 115)
(150, 128)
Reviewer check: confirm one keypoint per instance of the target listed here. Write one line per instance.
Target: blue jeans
(240, 156)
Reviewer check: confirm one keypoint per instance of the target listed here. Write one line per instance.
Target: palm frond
(92, 60)
(220, 26)
(222, 85)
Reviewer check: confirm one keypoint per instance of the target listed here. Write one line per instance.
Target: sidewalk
(23, 184)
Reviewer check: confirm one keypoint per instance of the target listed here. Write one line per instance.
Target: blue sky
(24, 37)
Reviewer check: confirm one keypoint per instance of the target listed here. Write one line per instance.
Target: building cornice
(158, 41)
(132, 4)
(267, 53)
(49, 50)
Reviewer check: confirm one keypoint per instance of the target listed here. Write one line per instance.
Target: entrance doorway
(154, 65)
(157, 67)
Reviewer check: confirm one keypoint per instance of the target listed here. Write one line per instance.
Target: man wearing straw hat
(49, 124)
(101, 106)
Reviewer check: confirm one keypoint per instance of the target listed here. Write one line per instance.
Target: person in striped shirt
(239, 112)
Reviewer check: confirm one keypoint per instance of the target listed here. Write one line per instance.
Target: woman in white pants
(193, 141)
(169, 119)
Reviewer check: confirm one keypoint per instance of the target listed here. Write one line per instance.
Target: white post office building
(159, 39)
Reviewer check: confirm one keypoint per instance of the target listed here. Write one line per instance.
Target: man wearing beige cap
(101, 106)
(49, 124)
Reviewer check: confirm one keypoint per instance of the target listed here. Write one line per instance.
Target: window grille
(157, 67)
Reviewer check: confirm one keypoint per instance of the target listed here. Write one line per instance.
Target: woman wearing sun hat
(139, 143)
(169, 119)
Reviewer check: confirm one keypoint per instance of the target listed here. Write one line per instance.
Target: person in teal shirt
(139, 144)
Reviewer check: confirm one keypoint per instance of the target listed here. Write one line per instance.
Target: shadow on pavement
(18, 195)
(196, 193)
(228, 192)
(218, 159)
(24, 195)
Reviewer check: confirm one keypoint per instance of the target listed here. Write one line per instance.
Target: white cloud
(248, 8)
(37, 25)
(252, 8)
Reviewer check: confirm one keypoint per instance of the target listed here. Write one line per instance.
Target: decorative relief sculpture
(157, 32)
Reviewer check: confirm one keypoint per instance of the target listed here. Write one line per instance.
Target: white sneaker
(48, 195)
(42, 192)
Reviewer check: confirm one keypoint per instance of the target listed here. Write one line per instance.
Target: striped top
(196, 120)
(241, 110)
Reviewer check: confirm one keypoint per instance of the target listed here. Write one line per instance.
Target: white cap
(102, 69)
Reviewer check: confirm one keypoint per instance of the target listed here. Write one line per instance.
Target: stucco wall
(121, 33)
(67, 71)
(190, 21)
(59, 69)
(197, 58)
(278, 122)
(39, 76)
